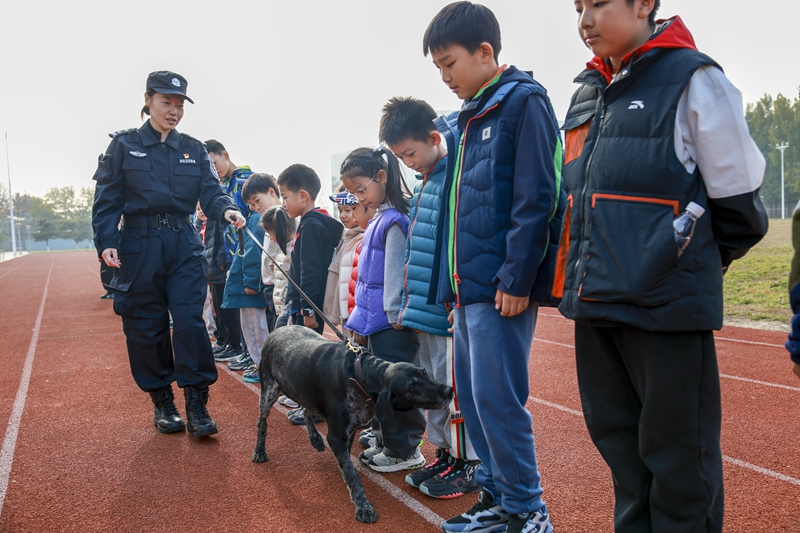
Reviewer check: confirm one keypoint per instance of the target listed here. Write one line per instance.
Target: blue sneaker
(251, 374)
(484, 517)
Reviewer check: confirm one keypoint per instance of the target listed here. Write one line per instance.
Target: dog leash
(355, 348)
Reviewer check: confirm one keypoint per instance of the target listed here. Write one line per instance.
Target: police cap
(166, 82)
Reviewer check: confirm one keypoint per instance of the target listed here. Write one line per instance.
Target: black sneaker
(533, 522)
(455, 481)
(231, 354)
(439, 465)
(484, 517)
(217, 348)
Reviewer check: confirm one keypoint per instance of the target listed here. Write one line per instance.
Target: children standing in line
(243, 287)
(375, 178)
(407, 128)
(317, 235)
(341, 267)
(670, 131)
(495, 257)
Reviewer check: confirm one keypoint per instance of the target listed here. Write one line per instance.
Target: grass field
(756, 285)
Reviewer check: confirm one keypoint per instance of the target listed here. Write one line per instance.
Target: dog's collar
(359, 379)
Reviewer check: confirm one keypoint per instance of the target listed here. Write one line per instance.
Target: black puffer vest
(625, 185)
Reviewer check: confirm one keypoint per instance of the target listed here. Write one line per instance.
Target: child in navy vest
(375, 178)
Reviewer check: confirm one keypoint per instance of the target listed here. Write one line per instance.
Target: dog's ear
(384, 410)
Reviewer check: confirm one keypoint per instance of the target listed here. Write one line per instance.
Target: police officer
(150, 180)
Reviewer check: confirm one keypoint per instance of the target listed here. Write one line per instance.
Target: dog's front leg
(364, 510)
(313, 434)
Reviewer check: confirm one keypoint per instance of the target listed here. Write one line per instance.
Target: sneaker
(455, 481)
(217, 348)
(297, 417)
(533, 522)
(484, 517)
(387, 463)
(439, 465)
(367, 438)
(288, 402)
(243, 362)
(292, 412)
(251, 374)
(230, 354)
(369, 453)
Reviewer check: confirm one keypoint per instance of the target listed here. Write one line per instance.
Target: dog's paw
(317, 442)
(259, 456)
(366, 513)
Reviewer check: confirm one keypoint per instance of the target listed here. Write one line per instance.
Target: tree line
(62, 213)
(774, 121)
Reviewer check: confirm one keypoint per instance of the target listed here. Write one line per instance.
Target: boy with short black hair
(502, 197)
(408, 130)
(317, 236)
(225, 240)
(670, 131)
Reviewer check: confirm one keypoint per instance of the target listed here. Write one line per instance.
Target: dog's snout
(448, 392)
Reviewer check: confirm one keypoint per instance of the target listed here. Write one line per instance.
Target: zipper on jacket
(462, 144)
(586, 205)
(410, 232)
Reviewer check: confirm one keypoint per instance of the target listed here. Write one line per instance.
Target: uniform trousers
(164, 271)
(651, 401)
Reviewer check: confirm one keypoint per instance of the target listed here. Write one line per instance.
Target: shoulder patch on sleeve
(122, 132)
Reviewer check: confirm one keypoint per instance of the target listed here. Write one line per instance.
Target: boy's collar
(489, 83)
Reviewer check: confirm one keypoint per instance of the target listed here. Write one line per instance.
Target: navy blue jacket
(509, 204)
(139, 175)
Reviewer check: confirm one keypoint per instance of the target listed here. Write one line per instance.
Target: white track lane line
(737, 462)
(10, 440)
(382, 482)
(727, 376)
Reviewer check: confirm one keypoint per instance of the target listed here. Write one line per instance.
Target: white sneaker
(385, 463)
(367, 455)
(288, 402)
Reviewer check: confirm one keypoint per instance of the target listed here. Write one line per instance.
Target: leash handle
(241, 241)
(303, 295)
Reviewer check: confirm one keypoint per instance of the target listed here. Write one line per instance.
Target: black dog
(316, 372)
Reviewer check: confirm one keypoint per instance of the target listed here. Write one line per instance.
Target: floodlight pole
(11, 203)
(782, 147)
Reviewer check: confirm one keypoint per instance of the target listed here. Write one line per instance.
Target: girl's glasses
(361, 191)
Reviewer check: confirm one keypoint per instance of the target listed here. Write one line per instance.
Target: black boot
(165, 415)
(198, 421)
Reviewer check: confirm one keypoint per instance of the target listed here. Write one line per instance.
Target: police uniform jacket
(141, 176)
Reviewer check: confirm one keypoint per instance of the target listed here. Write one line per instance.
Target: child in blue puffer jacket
(407, 128)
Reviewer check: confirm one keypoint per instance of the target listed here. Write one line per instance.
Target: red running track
(80, 454)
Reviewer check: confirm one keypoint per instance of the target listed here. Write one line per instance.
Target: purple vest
(368, 316)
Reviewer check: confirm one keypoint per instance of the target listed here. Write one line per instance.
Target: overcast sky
(282, 82)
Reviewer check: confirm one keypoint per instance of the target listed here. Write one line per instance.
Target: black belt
(156, 221)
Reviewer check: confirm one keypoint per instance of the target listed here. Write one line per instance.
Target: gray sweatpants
(255, 330)
(445, 426)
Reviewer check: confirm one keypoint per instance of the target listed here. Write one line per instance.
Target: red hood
(674, 35)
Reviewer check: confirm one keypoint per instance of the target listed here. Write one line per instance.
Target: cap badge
(176, 82)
